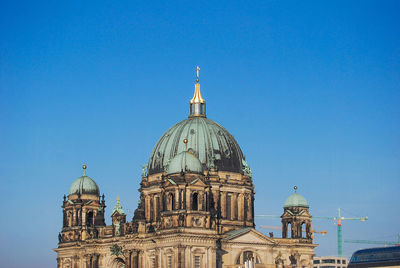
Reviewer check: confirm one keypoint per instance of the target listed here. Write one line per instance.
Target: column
(155, 207)
(74, 222)
(177, 205)
(223, 205)
(188, 257)
(250, 209)
(240, 206)
(200, 201)
(188, 206)
(216, 199)
(134, 259)
(234, 206)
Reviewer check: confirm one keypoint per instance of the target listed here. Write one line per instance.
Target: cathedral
(196, 209)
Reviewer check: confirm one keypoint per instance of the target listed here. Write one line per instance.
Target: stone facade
(183, 219)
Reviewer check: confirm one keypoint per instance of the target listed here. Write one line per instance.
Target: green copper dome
(186, 162)
(84, 185)
(208, 141)
(296, 200)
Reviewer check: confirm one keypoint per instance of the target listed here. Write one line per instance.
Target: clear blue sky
(310, 90)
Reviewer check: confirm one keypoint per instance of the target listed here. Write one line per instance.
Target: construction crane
(338, 221)
(280, 228)
(386, 243)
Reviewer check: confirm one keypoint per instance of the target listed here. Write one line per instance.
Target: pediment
(248, 235)
(197, 182)
(302, 212)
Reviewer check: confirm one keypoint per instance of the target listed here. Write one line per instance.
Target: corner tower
(83, 210)
(296, 218)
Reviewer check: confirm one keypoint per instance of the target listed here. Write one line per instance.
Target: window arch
(247, 256)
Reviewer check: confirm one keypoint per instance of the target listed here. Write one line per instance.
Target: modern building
(330, 262)
(196, 209)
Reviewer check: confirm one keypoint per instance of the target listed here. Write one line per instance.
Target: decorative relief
(116, 250)
(168, 222)
(197, 221)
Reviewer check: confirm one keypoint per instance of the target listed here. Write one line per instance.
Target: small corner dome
(186, 162)
(296, 200)
(84, 185)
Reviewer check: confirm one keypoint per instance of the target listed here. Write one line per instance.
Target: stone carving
(144, 171)
(246, 169)
(116, 250)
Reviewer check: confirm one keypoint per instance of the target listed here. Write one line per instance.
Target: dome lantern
(197, 104)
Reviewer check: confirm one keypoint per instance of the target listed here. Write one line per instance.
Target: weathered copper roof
(212, 144)
(84, 185)
(185, 162)
(296, 200)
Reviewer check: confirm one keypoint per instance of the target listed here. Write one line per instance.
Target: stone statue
(246, 169)
(144, 170)
(117, 228)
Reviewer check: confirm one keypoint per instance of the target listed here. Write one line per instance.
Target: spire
(197, 103)
(118, 207)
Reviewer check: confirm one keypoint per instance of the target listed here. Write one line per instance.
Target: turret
(82, 210)
(118, 218)
(296, 219)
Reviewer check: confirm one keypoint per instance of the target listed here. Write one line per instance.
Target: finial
(295, 188)
(84, 169)
(185, 141)
(118, 199)
(197, 73)
(197, 103)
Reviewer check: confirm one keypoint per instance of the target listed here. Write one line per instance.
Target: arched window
(151, 208)
(206, 202)
(248, 256)
(170, 202)
(289, 230)
(246, 207)
(195, 201)
(228, 208)
(157, 207)
(89, 218)
(302, 233)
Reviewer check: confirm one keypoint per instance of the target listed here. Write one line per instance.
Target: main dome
(212, 144)
(208, 141)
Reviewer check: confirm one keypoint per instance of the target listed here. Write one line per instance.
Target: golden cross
(197, 71)
(118, 199)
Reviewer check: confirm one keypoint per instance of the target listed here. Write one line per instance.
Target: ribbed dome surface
(208, 141)
(296, 200)
(84, 185)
